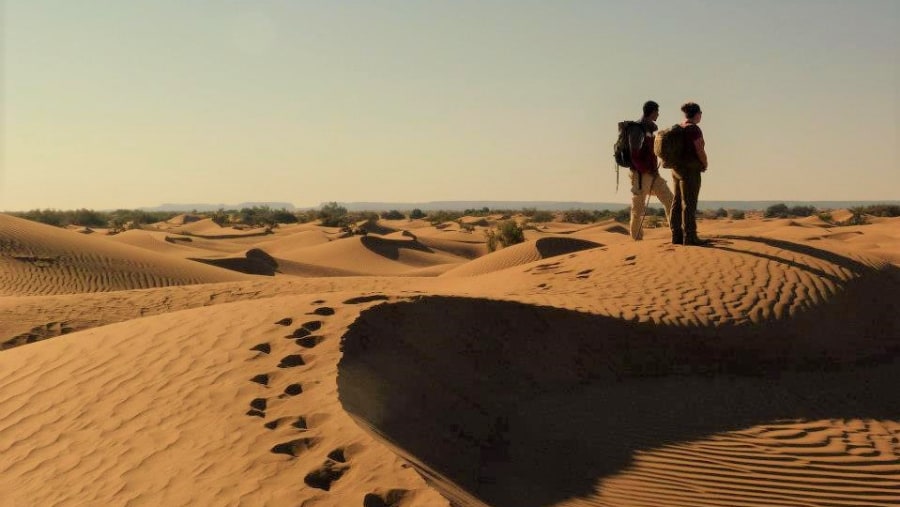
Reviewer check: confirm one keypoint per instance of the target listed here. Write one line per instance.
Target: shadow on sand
(514, 405)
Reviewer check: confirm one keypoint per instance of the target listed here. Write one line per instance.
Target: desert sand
(189, 364)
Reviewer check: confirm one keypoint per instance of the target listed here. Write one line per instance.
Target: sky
(111, 104)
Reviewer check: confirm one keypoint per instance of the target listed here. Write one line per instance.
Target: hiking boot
(693, 240)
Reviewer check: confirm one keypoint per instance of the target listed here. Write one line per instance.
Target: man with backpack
(645, 177)
(686, 170)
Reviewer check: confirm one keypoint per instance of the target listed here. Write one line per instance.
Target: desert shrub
(466, 227)
(332, 215)
(736, 214)
(721, 213)
(777, 211)
(882, 210)
(220, 217)
(482, 212)
(283, 216)
(306, 215)
(441, 216)
(623, 215)
(858, 216)
(541, 216)
(801, 211)
(578, 216)
(392, 215)
(416, 214)
(507, 233)
(826, 216)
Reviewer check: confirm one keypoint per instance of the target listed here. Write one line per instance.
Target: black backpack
(622, 148)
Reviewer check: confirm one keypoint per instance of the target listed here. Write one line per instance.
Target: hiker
(686, 179)
(645, 177)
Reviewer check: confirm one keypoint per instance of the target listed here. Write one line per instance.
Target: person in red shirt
(645, 178)
(686, 179)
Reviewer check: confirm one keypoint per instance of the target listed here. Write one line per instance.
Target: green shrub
(541, 216)
(736, 214)
(508, 233)
(578, 216)
(392, 215)
(721, 213)
(777, 211)
(441, 216)
(333, 215)
(416, 214)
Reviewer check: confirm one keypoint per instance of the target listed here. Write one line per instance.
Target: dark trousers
(684, 205)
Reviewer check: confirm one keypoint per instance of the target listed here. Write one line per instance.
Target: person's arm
(700, 146)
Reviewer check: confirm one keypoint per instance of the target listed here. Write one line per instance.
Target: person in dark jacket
(686, 179)
(645, 178)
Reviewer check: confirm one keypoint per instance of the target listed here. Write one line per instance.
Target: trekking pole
(649, 194)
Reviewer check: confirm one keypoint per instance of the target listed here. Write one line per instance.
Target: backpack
(622, 149)
(669, 146)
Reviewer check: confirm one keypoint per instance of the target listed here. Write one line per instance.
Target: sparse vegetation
(783, 211)
(507, 233)
(736, 214)
(441, 216)
(416, 214)
(541, 216)
(90, 218)
(333, 215)
(392, 215)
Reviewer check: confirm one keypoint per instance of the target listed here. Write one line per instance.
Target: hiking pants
(640, 189)
(683, 216)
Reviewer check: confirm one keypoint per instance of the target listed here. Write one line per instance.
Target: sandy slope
(758, 371)
(40, 259)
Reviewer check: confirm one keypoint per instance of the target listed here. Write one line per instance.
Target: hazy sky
(109, 104)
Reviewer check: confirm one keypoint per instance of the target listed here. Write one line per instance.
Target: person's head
(692, 112)
(651, 110)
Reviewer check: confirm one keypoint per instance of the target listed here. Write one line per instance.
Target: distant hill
(213, 207)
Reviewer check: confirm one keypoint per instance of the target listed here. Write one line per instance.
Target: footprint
(366, 299)
(293, 390)
(265, 348)
(390, 498)
(287, 321)
(299, 423)
(631, 257)
(324, 311)
(262, 378)
(313, 325)
(310, 341)
(337, 455)
(585, 274)
(256, 413)
(318, 301)
(291, 361)
(295, 447)
(259, 404)
(324, 476)
(300, 332)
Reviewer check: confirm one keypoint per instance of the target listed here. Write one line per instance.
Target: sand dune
(522, 253)
(372, 255)
(576, 369)
(40, 259)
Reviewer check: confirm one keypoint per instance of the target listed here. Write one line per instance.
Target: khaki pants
(648, 186)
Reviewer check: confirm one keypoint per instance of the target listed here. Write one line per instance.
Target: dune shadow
(524, 406)
(391, 248)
